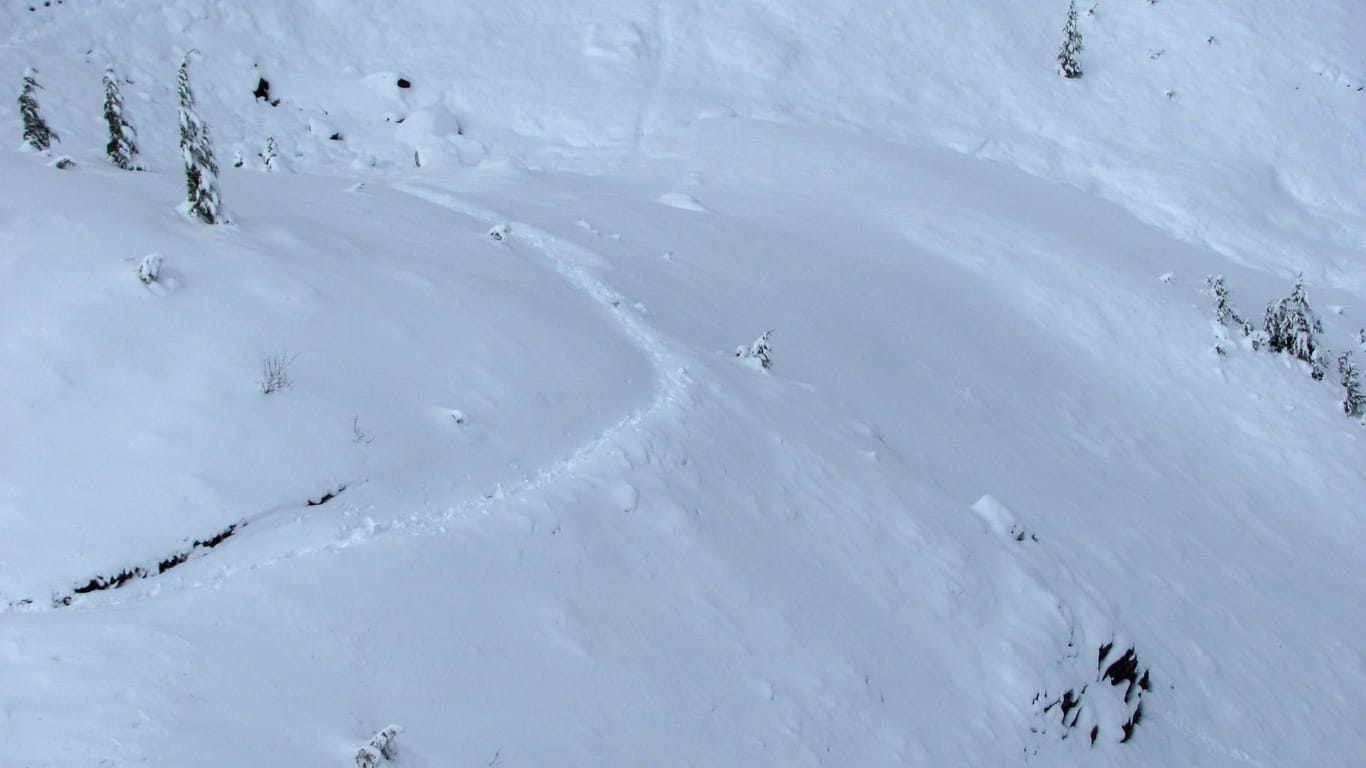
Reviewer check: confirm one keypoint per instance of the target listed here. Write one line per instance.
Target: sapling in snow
(368, 757)
(382, 746)
(269, 155)
(1291, 326)
(275, 373)
(1224, 313)
(36, 131)
(1353, 399)
(1068, 66)
(201, 170)
(761, 350)
(149, 268)
(122, 148)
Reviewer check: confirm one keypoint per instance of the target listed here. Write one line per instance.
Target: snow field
(164, 426)
(576, 530)
(1264, 116)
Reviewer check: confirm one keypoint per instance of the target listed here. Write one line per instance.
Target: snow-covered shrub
(275, 373)
(1291, 326)
(382, 746)
(149, 268)
(760, 351)
(1068, 66)
(62, 162)
(1111, 705)
(367, 757)
(36, 131)
(385, 741)
(122, 148)
(1227, 317)
(359, 435)
(1224, 313)
(270, 156)
(201, 170)
(1353, 399)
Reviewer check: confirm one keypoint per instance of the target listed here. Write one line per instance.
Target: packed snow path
(568, 260)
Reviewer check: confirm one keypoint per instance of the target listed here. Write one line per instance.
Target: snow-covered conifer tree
(201, 170)
(270, 155)
(122, 147)
(1291, 326)
(149, 269)
(1353, 399)
(1068, 66)
(761, 351)
(36, 132)
(1224, 313)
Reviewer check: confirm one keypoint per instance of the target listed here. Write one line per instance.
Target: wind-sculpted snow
(1196, 117)
(984, 492)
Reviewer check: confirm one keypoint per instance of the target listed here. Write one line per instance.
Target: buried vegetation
(1112, 702)
(117, 580)
(196, 548)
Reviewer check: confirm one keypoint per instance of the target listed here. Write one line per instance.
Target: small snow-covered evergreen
(761, 350)
(269, 155)
(1224, 313)
(382, 746)
(122, 148)
(1353, 399)
(1068, 66)
(1291, 326)
(201, 170)
(149, 268)
(36, 131)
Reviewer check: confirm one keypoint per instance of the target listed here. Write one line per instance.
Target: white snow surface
(563, 524)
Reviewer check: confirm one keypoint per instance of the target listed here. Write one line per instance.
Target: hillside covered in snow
(458, 420)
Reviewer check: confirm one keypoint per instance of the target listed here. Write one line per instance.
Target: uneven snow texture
(521, 497)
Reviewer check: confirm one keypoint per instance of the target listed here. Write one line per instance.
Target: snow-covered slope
(1196, 117)
(563, 524)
